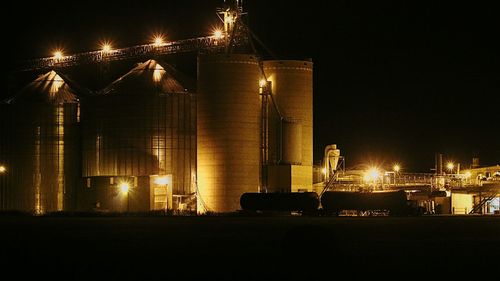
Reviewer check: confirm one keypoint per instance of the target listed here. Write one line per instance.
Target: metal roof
(149, 78)
(49, 88)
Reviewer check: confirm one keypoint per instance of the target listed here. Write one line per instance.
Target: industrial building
(479, 193)
(157, 140)
(455, 192)
(291, 126)
(229, 129)
(140, 132)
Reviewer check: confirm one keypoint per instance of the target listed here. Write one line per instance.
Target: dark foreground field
(235, 248)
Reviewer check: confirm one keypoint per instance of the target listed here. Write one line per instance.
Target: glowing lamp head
(58, 54)
(124, 187)
(262, 83)
(396, 168)
(106, 48)
(218, 34)
(162, 180)
(2, 169)
(372, 174)
(450, 166)
(158, 40)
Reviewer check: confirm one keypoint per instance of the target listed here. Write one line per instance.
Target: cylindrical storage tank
(141, 125)
(291, 142)
(393, 201)
(292, 88)
(336, 201)
(228, 114)
(44, 156)
(283, 202)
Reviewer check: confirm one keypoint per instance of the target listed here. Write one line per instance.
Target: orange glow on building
(158, 73)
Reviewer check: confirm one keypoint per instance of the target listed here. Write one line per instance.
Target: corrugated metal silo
(142, 125)
(292, 88)
(228, 130)
(44, 154)
(5, 158)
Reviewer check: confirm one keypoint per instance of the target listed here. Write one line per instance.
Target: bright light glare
(324, 171)
(450, 166)
(124, 187)
(158, 40)
(468, 174)
(3, 169)
(58, 54)
(262, 83)
(106, 47)
(396, 168)
(372, 174)
(162, 180)
(218, 34)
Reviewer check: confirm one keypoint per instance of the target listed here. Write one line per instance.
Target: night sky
(394, 82)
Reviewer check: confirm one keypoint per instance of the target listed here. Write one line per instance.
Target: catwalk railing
(180, 46)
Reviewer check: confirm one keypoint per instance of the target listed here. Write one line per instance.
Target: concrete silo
(43, 157)
(291, 142)
(141, 130)
(228, 130)
(292, 89)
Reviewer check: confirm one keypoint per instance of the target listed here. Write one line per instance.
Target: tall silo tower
(44, 156)
(291, 134)
(228, 130)
(229, 118)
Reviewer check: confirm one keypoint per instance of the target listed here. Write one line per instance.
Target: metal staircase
(330, 183)
(478, 207)
(340, 169)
